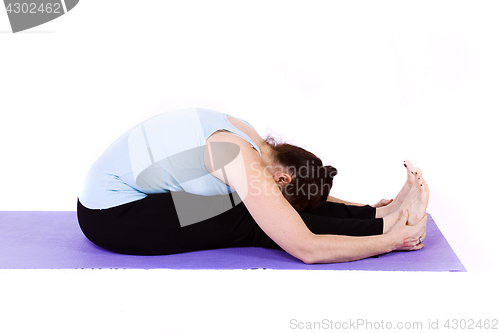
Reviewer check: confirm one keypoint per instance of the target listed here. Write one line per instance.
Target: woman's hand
(408, 238)
(382, 203)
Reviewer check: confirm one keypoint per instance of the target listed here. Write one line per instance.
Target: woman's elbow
(314, 251)
(305, 257)
(308, 259)
(307, 253)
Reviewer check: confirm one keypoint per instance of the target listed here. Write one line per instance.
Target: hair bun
(330, 171)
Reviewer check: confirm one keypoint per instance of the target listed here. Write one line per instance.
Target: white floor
(238, 301)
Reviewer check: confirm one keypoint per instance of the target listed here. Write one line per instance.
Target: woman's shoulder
(223, 147)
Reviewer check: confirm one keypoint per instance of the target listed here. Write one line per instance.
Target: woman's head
(304, 180)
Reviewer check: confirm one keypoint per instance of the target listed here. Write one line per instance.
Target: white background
(363, 84)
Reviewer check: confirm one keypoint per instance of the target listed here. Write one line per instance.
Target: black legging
(151, 227)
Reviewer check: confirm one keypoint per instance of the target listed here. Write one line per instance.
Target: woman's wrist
(390, 242)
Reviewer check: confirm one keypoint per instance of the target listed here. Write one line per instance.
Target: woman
(196, 179)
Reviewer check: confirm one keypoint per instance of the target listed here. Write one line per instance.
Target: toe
(411, 169)
(417, 172)
(408, 165)
(423, 186)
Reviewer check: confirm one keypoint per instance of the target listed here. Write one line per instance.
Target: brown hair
(311, 181)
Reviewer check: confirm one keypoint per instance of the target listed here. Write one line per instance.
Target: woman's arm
(277, 218)
(399, 238)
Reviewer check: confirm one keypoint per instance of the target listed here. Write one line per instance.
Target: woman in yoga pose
(196, 179)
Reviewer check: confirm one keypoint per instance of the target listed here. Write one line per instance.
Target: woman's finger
(385, 202)
(418, 247)
(424, 232)
(423, 220)
(382, 203)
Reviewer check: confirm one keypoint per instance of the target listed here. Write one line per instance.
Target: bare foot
(396, 204)
(416, 202)
(410, 180)
(418, 207)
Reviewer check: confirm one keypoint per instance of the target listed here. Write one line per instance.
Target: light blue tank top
(164, 153)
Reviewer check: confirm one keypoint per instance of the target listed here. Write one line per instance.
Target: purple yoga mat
(44, 240)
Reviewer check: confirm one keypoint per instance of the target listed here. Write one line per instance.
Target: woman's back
(164, 153)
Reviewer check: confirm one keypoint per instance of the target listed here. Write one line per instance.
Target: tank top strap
(240, 133)
(213, 121)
